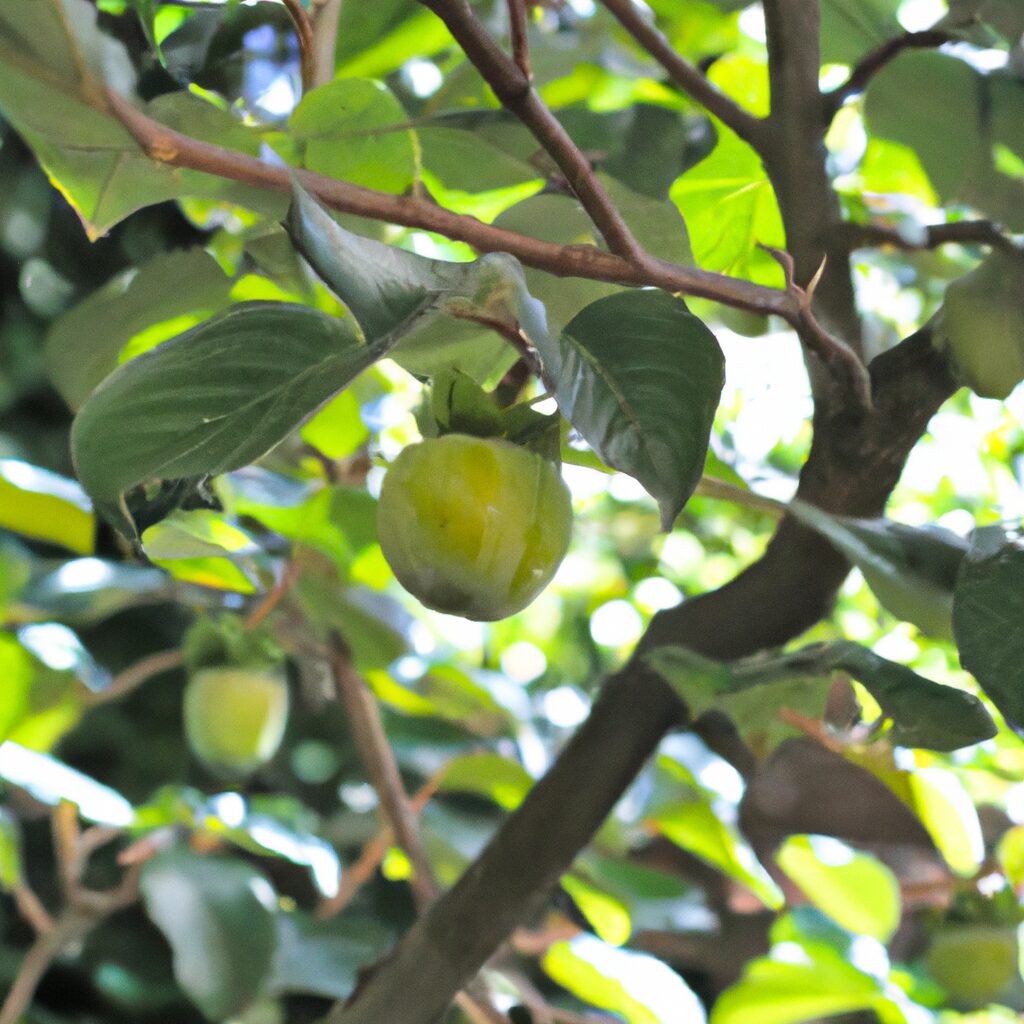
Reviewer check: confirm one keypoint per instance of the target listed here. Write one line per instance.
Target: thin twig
(517, 22)
(31, 909)
(307, 48)
(961, 232)
(280, 589)
(379, 760)
(84, 908)
(512, 88)
(135, 675)
(685, 75)
(326, 16)
(870, 65)
(369, 859)
(722, 490)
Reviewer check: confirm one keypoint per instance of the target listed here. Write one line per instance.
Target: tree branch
(379, 760)
(307, 47)
(794, 158)
(326, 16)
(517, 22)
(512, 88)
(870, 65)
(689, 78)
(170, 147)
(961, 232)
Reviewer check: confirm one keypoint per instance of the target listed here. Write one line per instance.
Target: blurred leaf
(44, 506)
(151, 419)
(636, 986)
(11, 868)
(656, 223)
(40, 703)
(779, 992)
(912, 570)
(606, 915)
(82, 345)
(51, 781)
(640, 378)
(1010, 852)
(198, 534)
(218, 916)
(693, 825)
(503, 780)
(946, 811)
(324, 957)
(987, 610)
(925, 714)
(351, 129)
(850, 29)
(336, 430)
(855, 889)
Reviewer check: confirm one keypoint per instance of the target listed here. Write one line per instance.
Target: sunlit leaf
(44, 506)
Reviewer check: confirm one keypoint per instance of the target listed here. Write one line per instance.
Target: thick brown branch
(689, 78)
(877, 59)
(307, 45)
(512, 88)
(794, 158)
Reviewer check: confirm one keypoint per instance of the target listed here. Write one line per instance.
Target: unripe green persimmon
(981, 325)
(974, 963)
(235, 717)
(473, 526)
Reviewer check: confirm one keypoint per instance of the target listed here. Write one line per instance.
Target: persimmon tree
(707, 771)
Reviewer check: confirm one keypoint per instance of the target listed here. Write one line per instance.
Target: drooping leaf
(639, 376)
(219, 917)
(911, 570)
(987, 612)
(503, 780)
(946, 810)
(213, 399)
(394, 292)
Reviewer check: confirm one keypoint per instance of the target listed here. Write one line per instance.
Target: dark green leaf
(213, 399)
(988, 609)
(396, 293)
(639, 376)
(911, 569)
(219, 917)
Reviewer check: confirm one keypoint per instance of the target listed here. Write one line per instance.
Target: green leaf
(337, 430)
(693, 825)
(351, 129)
(11, 867)
(945, 809)
(987, 611)
(213, 399)
(219, 917)
(396, 293)
(82, 346)
(852, 28)
(607, 916)
(779, 992)
(503, 780)
(924, 713)
(726, 198)
(44, 506)
(855, 889)
(324, 957)
(912, 570)
(640, 378)
(635, 986)
(55, 66)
